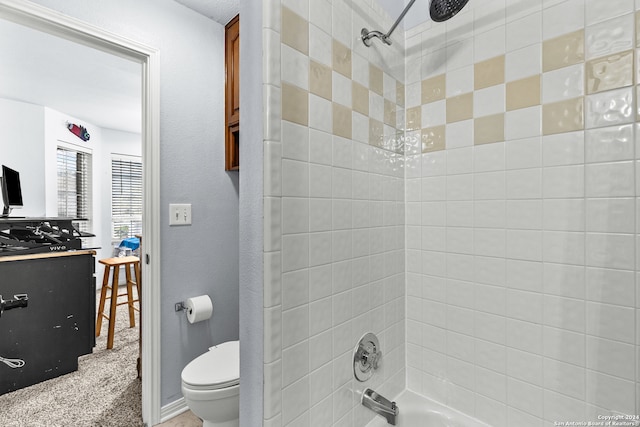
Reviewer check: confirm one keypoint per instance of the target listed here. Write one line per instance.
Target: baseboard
(173, 409)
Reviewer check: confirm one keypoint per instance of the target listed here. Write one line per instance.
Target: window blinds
(74, 186)
(126, 198)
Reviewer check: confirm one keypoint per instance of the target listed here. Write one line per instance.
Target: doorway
(54, 24)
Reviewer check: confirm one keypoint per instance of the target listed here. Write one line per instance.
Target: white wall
(22, 149)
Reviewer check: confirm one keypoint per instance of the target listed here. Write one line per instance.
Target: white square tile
(525, 397)
(460, 161)
(295, 215)
(320, 148)
(489, 44)
(490, 299)
(610, 179)
(610, 36)
(523, 123)
(610, 286)
(490, 327)
(562, 18)
(489, 186)
(295, 289)
(564, 345)
(562, 84)
(459, 187)
(564, 378)
(523, 153)
(524, 184)
(295, 400)
(524, 32)
(489, 242)
(564, 280)
(610, 392)
(561, 407)
(611, 250)
(295, 363)
(615, 107)
(341, 89)
(489, 214)
(524, 245)
(523, 62)
(598, 11)
(295, 252)
(459, 134)
(609, 144)
(459, 54)
(611, 322)
(526, 306)
(563, 247)
(434, 164)
(524, 275)
(459, 81)
(524, 366)
(611, 215)
(320, 45)
(434, 114)
(563, 182)
(489, 101)
(563, 149)
(564, 313)
(564, 214)
(611, 357)
(295, 67)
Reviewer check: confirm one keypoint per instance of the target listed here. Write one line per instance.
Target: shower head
(441, 10)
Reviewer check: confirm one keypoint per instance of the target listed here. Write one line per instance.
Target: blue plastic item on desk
(132, 243)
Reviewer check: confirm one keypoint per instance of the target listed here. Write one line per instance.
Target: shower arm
(367, 35)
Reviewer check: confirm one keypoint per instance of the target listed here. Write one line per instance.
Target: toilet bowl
(211, 385)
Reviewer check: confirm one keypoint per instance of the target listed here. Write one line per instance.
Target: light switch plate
(180, 214)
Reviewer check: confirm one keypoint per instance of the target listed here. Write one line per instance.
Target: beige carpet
(104, 391)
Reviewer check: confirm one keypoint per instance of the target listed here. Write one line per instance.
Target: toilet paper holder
(180, 306)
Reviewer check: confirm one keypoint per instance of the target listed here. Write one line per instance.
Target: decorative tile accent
(376, 80)
(460, 108)
(523, 93)
(611, 72)
(433, 89)
(341, 59)
(389, 113)
(609, 37)
(562, 51)
(489, 73)
(295, 31)
(414, 116)
(320, 80)
(360, 98)
(341, 121)
(614, 107)
(295, 104)
(433, 139)
(563, 116)
(488, 129)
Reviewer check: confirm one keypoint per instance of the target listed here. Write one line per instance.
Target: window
(126, 197)
(74, 187)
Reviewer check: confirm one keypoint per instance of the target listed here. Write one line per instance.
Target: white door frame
(55, 23)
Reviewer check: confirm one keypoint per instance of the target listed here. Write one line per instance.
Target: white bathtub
(418, 411)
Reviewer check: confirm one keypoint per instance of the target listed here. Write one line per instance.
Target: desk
(58, 326)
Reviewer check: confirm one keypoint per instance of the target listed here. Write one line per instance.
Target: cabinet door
(232, 93)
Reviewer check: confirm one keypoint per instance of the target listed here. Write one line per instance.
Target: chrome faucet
(381, 406)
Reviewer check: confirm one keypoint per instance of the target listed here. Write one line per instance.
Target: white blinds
(74, 186)
(126, 198)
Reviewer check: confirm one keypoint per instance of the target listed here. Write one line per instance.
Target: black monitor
(11, 190)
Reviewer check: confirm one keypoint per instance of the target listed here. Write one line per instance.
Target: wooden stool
(127, 262)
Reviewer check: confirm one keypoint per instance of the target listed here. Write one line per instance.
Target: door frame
(57, 24)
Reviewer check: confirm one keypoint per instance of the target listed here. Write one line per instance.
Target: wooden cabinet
(232, 94)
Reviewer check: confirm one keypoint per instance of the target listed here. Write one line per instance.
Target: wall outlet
(180, 214)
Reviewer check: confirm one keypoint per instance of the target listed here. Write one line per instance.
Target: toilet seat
(216, 369)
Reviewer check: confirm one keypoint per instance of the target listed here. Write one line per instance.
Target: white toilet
(211, 385)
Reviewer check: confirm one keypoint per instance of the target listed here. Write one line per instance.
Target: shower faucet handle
(366, 357)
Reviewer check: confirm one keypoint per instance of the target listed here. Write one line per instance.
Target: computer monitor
(11, 190)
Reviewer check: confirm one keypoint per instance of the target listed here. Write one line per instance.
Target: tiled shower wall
(334, 210)
(522, 231)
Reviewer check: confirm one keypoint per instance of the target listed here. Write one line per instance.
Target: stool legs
(112, 306)
(103, 297)
(127, 273)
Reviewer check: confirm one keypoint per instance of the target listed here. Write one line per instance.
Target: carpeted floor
(104, 392)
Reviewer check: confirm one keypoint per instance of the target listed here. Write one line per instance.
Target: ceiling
(220, 11)
(85, 83)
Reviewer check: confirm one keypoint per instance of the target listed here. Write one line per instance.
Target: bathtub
(418, 411)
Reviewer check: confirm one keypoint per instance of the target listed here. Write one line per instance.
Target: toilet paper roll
(198, 308)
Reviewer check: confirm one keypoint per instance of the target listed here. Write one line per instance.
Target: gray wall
(202, 258)
(251, 235)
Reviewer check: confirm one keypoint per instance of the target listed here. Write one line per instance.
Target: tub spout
(380, 405)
